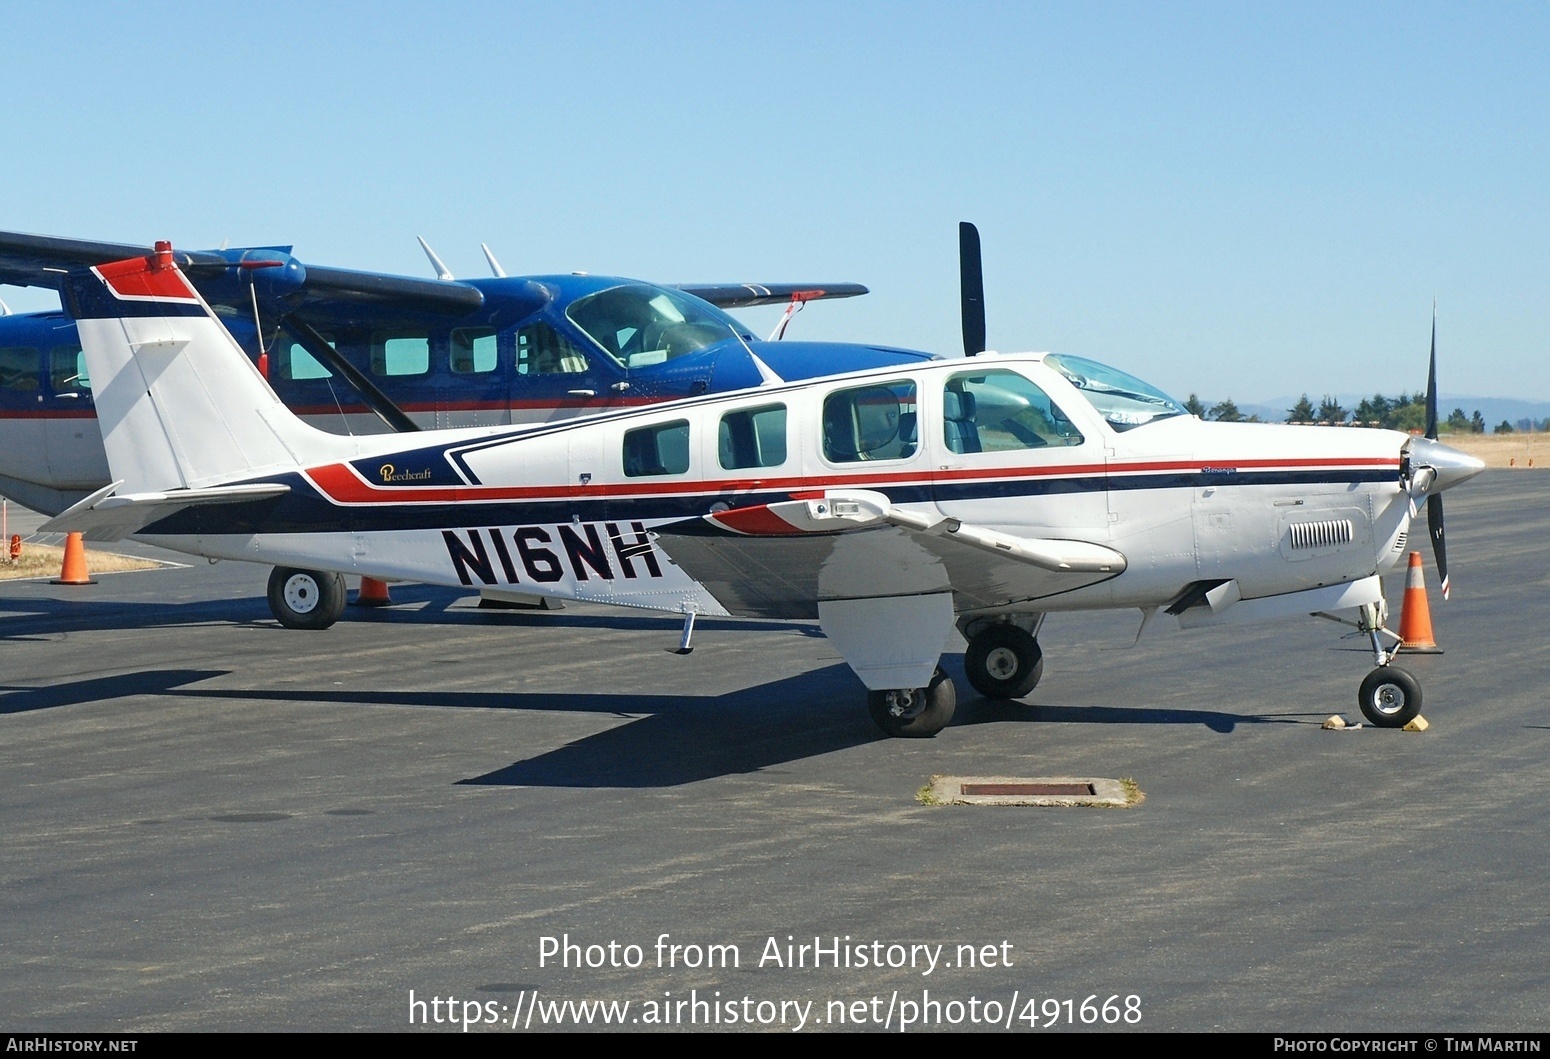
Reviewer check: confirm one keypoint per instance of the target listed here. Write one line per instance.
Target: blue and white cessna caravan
(893, 504)
(360, 352)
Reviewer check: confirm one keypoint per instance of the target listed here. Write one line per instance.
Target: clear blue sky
(1237, 199)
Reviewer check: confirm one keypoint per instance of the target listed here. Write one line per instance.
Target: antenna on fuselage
(442, 272)
(495, 266)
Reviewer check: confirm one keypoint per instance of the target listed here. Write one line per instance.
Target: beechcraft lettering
(544, 555)
(899, 506)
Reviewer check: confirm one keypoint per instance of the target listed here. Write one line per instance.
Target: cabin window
(1001, 411)
(67, 370)
(870, 423)
(473, 351)
(20, 367)
(541, 350)
(659, 449)
(400, 354)
(293, 362)
(753, 437)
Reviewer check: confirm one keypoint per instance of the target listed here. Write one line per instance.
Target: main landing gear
(915, 713)
(305, 599)
(1004, 661)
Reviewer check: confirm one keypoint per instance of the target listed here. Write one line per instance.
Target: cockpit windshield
(1124, 401)
(639, 324)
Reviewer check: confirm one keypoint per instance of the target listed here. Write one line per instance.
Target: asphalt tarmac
(208, 822)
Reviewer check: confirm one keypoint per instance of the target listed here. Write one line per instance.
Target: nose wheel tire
(305, 599)
(915, 713)
(1390, 697)
(1004, 662)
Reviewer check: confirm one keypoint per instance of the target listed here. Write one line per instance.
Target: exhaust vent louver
(1321, 534)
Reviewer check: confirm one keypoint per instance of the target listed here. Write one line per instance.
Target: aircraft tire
(305, 599)
(1004, 662)
(915, 713)
(1390, 697)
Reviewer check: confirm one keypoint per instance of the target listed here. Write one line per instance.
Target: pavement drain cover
(1059, 791)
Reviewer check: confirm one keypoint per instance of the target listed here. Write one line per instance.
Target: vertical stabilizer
(179, 403)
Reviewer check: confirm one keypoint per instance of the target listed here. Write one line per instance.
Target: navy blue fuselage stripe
(305, 510)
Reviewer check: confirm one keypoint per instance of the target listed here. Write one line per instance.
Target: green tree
(1457, 421)
(1374, 409)
(1504, 427)
(1331, 412)
(1194, 406)
(1409, 416)
(1477, 422)
(1301, 412)
(1226, 412)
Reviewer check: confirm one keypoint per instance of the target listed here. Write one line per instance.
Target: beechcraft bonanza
(892, 504)
(360, 352)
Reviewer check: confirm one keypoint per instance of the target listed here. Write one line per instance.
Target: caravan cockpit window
(638, 324)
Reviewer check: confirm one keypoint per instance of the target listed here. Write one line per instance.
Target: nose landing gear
(1390, 697)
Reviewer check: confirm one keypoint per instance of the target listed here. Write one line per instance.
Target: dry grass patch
(46, 560)
(1518, 450)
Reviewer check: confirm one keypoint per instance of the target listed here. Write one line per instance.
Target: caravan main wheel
(305, 599)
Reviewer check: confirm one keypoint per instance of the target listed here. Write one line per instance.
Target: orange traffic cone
(373, 593)
(73, 572)
(1415, 615)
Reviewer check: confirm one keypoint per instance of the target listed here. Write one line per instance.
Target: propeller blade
(971, 281)
(1431, 388)
(1439, 546)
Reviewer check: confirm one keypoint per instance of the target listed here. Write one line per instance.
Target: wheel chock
(1417, 724)
(1333, 723)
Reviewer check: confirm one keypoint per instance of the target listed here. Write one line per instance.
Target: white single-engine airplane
(891, 504)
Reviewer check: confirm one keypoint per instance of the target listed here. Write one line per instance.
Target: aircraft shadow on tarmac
(29, 618)
(19, 699)
(668, 740)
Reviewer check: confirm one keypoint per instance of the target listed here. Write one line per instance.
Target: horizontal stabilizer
(106, 517)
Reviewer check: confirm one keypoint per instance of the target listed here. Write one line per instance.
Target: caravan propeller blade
(971, 281)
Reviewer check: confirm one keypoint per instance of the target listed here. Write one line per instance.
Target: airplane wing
(743, 295)
(779, 560)
(107, 518)
(43, 261)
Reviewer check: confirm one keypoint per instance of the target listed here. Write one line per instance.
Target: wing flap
(779, 560)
